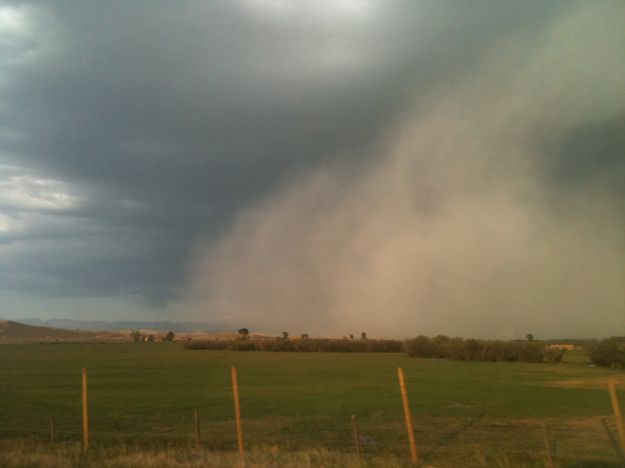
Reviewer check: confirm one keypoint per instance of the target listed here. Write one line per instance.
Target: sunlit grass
(144, 395)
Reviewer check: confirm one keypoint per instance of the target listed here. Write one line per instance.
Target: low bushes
(208, 344)
(608, 353)
(481, 350)
(302, 345)
(605, 353)
(554, 354)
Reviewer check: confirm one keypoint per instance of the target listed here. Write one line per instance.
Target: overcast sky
(197, 160)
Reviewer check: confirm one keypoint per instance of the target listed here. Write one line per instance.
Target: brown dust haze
(455, 223)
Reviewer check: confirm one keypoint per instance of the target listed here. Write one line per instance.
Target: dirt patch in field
(591, 382)
(459, 406)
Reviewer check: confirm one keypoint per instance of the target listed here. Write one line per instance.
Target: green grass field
(144, 395)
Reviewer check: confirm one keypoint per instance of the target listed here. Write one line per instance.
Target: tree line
(286, 344)
(607, 353)
(471, 349)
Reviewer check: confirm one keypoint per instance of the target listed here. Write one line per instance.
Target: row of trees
(244, 334)
(137, 336)
(470, 349)
(301, 345)
(608, 353)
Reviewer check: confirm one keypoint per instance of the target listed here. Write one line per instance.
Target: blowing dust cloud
(456, 223)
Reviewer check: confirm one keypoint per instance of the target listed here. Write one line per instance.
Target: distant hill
(99, 325)
(14, 332)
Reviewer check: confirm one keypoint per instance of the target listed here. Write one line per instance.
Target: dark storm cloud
(151, 124)
(495, 210)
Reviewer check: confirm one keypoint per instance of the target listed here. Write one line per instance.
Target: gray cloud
(459, 224)
(162, 124)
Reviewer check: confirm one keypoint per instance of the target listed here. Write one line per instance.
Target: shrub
(480, 350)
(495, 351)
(531, 351)
(243, 345)
(609, 352)
(136, 336)
(441, 345)
(455, 349)
(472, 349)
(421, 346)
(211, 344)
(303, 345)
(554, 354)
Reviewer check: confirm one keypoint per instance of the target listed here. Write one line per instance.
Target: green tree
(136, 335)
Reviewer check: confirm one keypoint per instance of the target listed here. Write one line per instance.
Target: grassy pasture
(144, 395)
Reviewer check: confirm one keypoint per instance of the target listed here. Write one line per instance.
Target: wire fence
(429, 437)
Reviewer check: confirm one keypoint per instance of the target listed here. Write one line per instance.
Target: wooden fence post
(355, 431)
(85, 412)
(618, 417)
(547, 445)
(237, 410)
(52, 431)
(196, 418)
(407, 415)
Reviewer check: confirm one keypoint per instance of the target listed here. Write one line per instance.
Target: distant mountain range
(97, 325)
(14, 332)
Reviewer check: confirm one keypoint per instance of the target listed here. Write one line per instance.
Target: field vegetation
(284, 344)
(19, 455)
(298, 407)
(607, 353)
(441, 346)
(461, 349)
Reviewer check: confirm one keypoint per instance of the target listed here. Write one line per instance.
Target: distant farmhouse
(567, 346)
